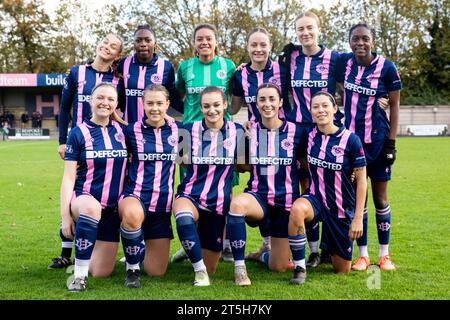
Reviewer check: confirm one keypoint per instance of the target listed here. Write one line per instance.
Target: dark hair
(363, 25)
(269, 85)
(308, 14)
(157, 88)
(258, 29)
(144, 27)
(210, 27)
(211, 89)
(327, 94)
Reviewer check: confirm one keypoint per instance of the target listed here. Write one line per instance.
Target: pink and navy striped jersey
(151, 172)
(363, 86)
(310, 74)
(76, 94)
(101, 154)
(137, 76)
(331, 160)
(247, 80)
(274, 156)
(212, 157)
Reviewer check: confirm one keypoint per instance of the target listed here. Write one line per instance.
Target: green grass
(30, 177)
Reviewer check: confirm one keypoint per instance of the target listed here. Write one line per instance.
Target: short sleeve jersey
(136, 77)
(309, 75)
(247, 81)
(332, 159)
(76, 95)
(101, 155)
(192, 78)
(274, 159)
(212, 156)
(151, 173)
(363, 86)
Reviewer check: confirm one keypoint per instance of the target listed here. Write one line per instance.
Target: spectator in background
(4, 129)
(24, 118)
(10, 118)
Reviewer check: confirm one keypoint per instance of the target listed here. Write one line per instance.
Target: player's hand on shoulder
(241, 66)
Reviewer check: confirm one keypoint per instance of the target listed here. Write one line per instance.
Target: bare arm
(67, 184)
(394, 112)
(356, 228)
(236, 104)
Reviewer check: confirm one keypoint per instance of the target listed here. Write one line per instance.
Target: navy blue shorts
(109, 225)
(210, 226)
(275, 217)
(156, 225)
(335, 237)
(377, 169)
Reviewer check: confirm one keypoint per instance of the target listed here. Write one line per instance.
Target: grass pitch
(30, 177)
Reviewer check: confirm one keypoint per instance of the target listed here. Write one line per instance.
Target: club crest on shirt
(337, 151)
(274, 81)
(321, 68)
(228, 143)
(287, 145)
(156, 79)
(221, 74)
(119, 137)
(172, 140)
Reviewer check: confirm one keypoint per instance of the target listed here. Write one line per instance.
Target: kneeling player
(94, 168)
(273, 185)
(204, 194)
(333, 154)
(146, 201)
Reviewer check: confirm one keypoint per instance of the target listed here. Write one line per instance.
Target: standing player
(334, 154)
(273, 185)
(368, 76)
(312, 68)
(75, 96)
(143, 68)
(204, 194)
(146, 202)
(205, 69)
(246, 81)
(94, 169)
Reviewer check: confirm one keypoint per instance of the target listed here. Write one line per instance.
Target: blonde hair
(114, 116)
(308, 14)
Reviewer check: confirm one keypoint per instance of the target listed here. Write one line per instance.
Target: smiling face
(269, 102)
(322, 110)
(361, 42)
(259, 47)
(109, 48)
(307, 31)
(205, 43)
(213, 107)
(155, 106)
(144, 45)
(103, 101)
